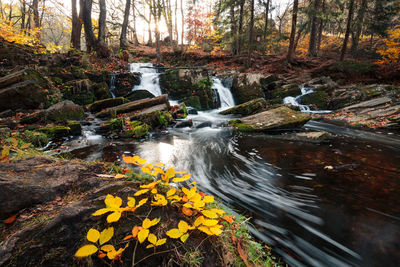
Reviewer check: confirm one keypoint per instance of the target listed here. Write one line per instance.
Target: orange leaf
(228, 218)
(187, 211)
(102, 255)
(128, 237)
(11, 219)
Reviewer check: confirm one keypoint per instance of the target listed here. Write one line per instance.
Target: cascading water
(225, 95)
(294, 100)
(112, 84)
(150, 79)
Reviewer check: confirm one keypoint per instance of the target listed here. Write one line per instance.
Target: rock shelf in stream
(274, 119)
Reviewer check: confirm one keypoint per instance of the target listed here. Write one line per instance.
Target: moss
(138, 130)
(248, 108)
(319, 99)
(107, 103)
(289, 90)
(38, 139)
(193, 101)
(352, 66)
(238, 125)
(55, 131)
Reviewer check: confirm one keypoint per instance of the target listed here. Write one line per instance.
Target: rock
(75, 127)
(63, 111)
(322, 84)
(113, 125)
(184, 83)
(7, 113)
(246, 87)
(106, 103)
(79, 91)
(248, 108)
(139, 94)
(193, 101)
(23, 95)
(284, 91)
(101, 90)
(277, 118)
(313, 137)
(204, 125)
(133, 106)
(137, 129)
(192, 111)
(156, 117)
(370, 104)
(56, 131)
(27, 74)
(183, 124)
(318, 99)
(124, 82)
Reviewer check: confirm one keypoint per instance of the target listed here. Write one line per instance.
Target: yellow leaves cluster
(181, 231)
(14, 35)
(391, 53)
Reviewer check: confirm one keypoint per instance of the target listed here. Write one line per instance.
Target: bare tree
(348, 28)
(312, 48)
(101, 39)
(123, 43)
(293, 31)
(76, 27)
(251, 33)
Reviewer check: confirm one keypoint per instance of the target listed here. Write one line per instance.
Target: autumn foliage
(13, 34)
(391, 52)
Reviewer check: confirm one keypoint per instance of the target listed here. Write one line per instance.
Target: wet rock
(322, 84)
(79, 91)
(183, 124)
(106, 103)
(124, 82)
(284, 91)
(193, 101)
(277, 118)
(75, 127)
(248, 108)
(56, 131)
(136, 129)
(318, 99)
(370, 104)
(64, 111)
(204, 125)
(156, 119)
(113, 125)
(313, 137)
(246, 87)
(192, 111)
(138, 95)
(101, 90)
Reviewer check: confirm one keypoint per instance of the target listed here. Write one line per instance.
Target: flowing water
(150, 78)
(294, 100)
(344, 215)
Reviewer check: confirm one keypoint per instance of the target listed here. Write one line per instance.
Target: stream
(347, 214)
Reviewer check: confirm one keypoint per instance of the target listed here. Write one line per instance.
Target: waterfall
(225, 95)
(150, 79)
(294, 100)
(112, 84)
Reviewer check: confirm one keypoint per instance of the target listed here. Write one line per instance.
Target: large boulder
(184, 84)
(248, 108)
(25, 89)
(284, 91)
(247, 86)
(139, 95)
(106, 103)
(124, 82)
(280, 118)
(79, 91)
(318, 99)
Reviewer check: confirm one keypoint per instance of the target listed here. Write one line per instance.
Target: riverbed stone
(64, 111)
(107, 103)
(278, 118)
(318, 99)
(79, 91)
(139, 94)
(246, 87)
(248, 108)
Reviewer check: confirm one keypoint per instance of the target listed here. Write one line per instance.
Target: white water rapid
(150, 79)
(225, 95)
(294, 100)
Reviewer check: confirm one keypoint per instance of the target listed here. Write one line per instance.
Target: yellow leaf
(106, 235)
(143, 235)
(150, 246)
(101, 212)
(25, 146)
(161, 242)
(171, 192)
(194, 183)
(208, 199)
(216, 230)
(210, 214)
(113, 202)
(154, 191)
(199, 221)
(131, 202)
(152, 239)
(174, 233)
(142, 202)
(114, 217)
(218, 211)
(181, 179)
(146, 223)
(184, 237)
(210, 222)
(183, 226)
(86, 250)
(141, 192)
(155, 221)
(107, 248)
(150, 186)
(205, 230)
(93, 235)
(170, 173)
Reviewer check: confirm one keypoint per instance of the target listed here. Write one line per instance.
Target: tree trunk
(291, 51)
(135, 38)
(23, 11)
(233, 29)
(176, 25)
(183, 26)
(320, 28)
(359, 26)
(266, 20)
(157, 18)
(87, 24)
(76, 27)
(102, 23)
(312, 49)
(348, 27)
(123, 42)
(240, 31)
(150, 42)
(35, 9)
(251, 33)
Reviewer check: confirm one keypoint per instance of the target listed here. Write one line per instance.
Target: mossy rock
(318, 98)
(79, 92)
(246, 87)
(75, 127)
(193, 101)
(137, 130)
(139, 94)
(156, 119)
(241, 127)
(64, 111)
(113, 125)
(56, 131)
(107, 103)
(352, 66)
(248, 108)
(180, 113)
(38, 139)
(101, 90)
(284, 91)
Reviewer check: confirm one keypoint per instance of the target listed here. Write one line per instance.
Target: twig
(157, 253)
(134, 254)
